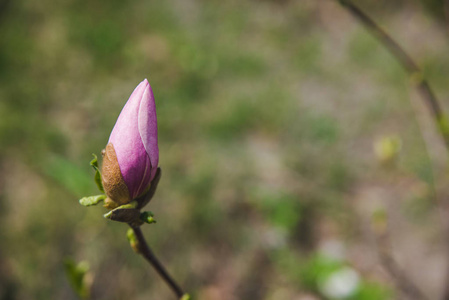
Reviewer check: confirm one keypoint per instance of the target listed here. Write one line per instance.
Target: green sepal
(94, 164)
(147, 217)
(92, 200)
(132, 204)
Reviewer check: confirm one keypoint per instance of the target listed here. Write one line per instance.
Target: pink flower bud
(132, 155)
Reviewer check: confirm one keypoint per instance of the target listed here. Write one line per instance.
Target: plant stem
(407, 63)
(152, 259)
(403, 282)
(440, 120)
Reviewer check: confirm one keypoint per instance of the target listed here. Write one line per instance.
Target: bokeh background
(269, 114)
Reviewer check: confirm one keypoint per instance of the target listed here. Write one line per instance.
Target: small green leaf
(387, 149)
(131, 236)
(379, 221)
(92, 200)
(94, 164)
(94, 161)
(443, 123)
(147, 217)
(186, 297)
(133, 240)
(77, 276)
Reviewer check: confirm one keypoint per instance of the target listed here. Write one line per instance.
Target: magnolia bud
(131, 156)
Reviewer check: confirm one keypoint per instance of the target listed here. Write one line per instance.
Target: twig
(446, 13)
(408, 64)
(428, 96)
(402, 281)
(146, 252)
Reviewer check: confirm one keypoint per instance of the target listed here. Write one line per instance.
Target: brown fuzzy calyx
(113, 182)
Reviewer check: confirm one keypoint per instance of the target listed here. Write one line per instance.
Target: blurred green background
(268, 114)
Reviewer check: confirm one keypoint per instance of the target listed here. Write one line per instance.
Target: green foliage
(443, 123)
(317, 269)
(234, 123)
(263, 110)
(97, 178)
(186, 297)
(147, 217)
(68, 175)
(131, 236)
(92, 200)
(77, 274)
(372, 291)
(387, 149)
(308, 54)
(282, 210)
(244, 65)
(322, 128)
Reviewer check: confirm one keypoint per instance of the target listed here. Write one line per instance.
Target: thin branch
(428, 96)
(408, 64)
(446, 13)
(401, 279)
(146, 252)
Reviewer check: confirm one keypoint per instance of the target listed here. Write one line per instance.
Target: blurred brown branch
(428, 96)
(404, 284)
(446, 13)
(415, 73)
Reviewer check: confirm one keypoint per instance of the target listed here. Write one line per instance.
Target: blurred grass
(267, 111)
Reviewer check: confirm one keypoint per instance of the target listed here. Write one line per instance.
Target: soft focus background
(269, 113)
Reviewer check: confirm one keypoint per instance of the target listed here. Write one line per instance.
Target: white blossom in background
(341, 284)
